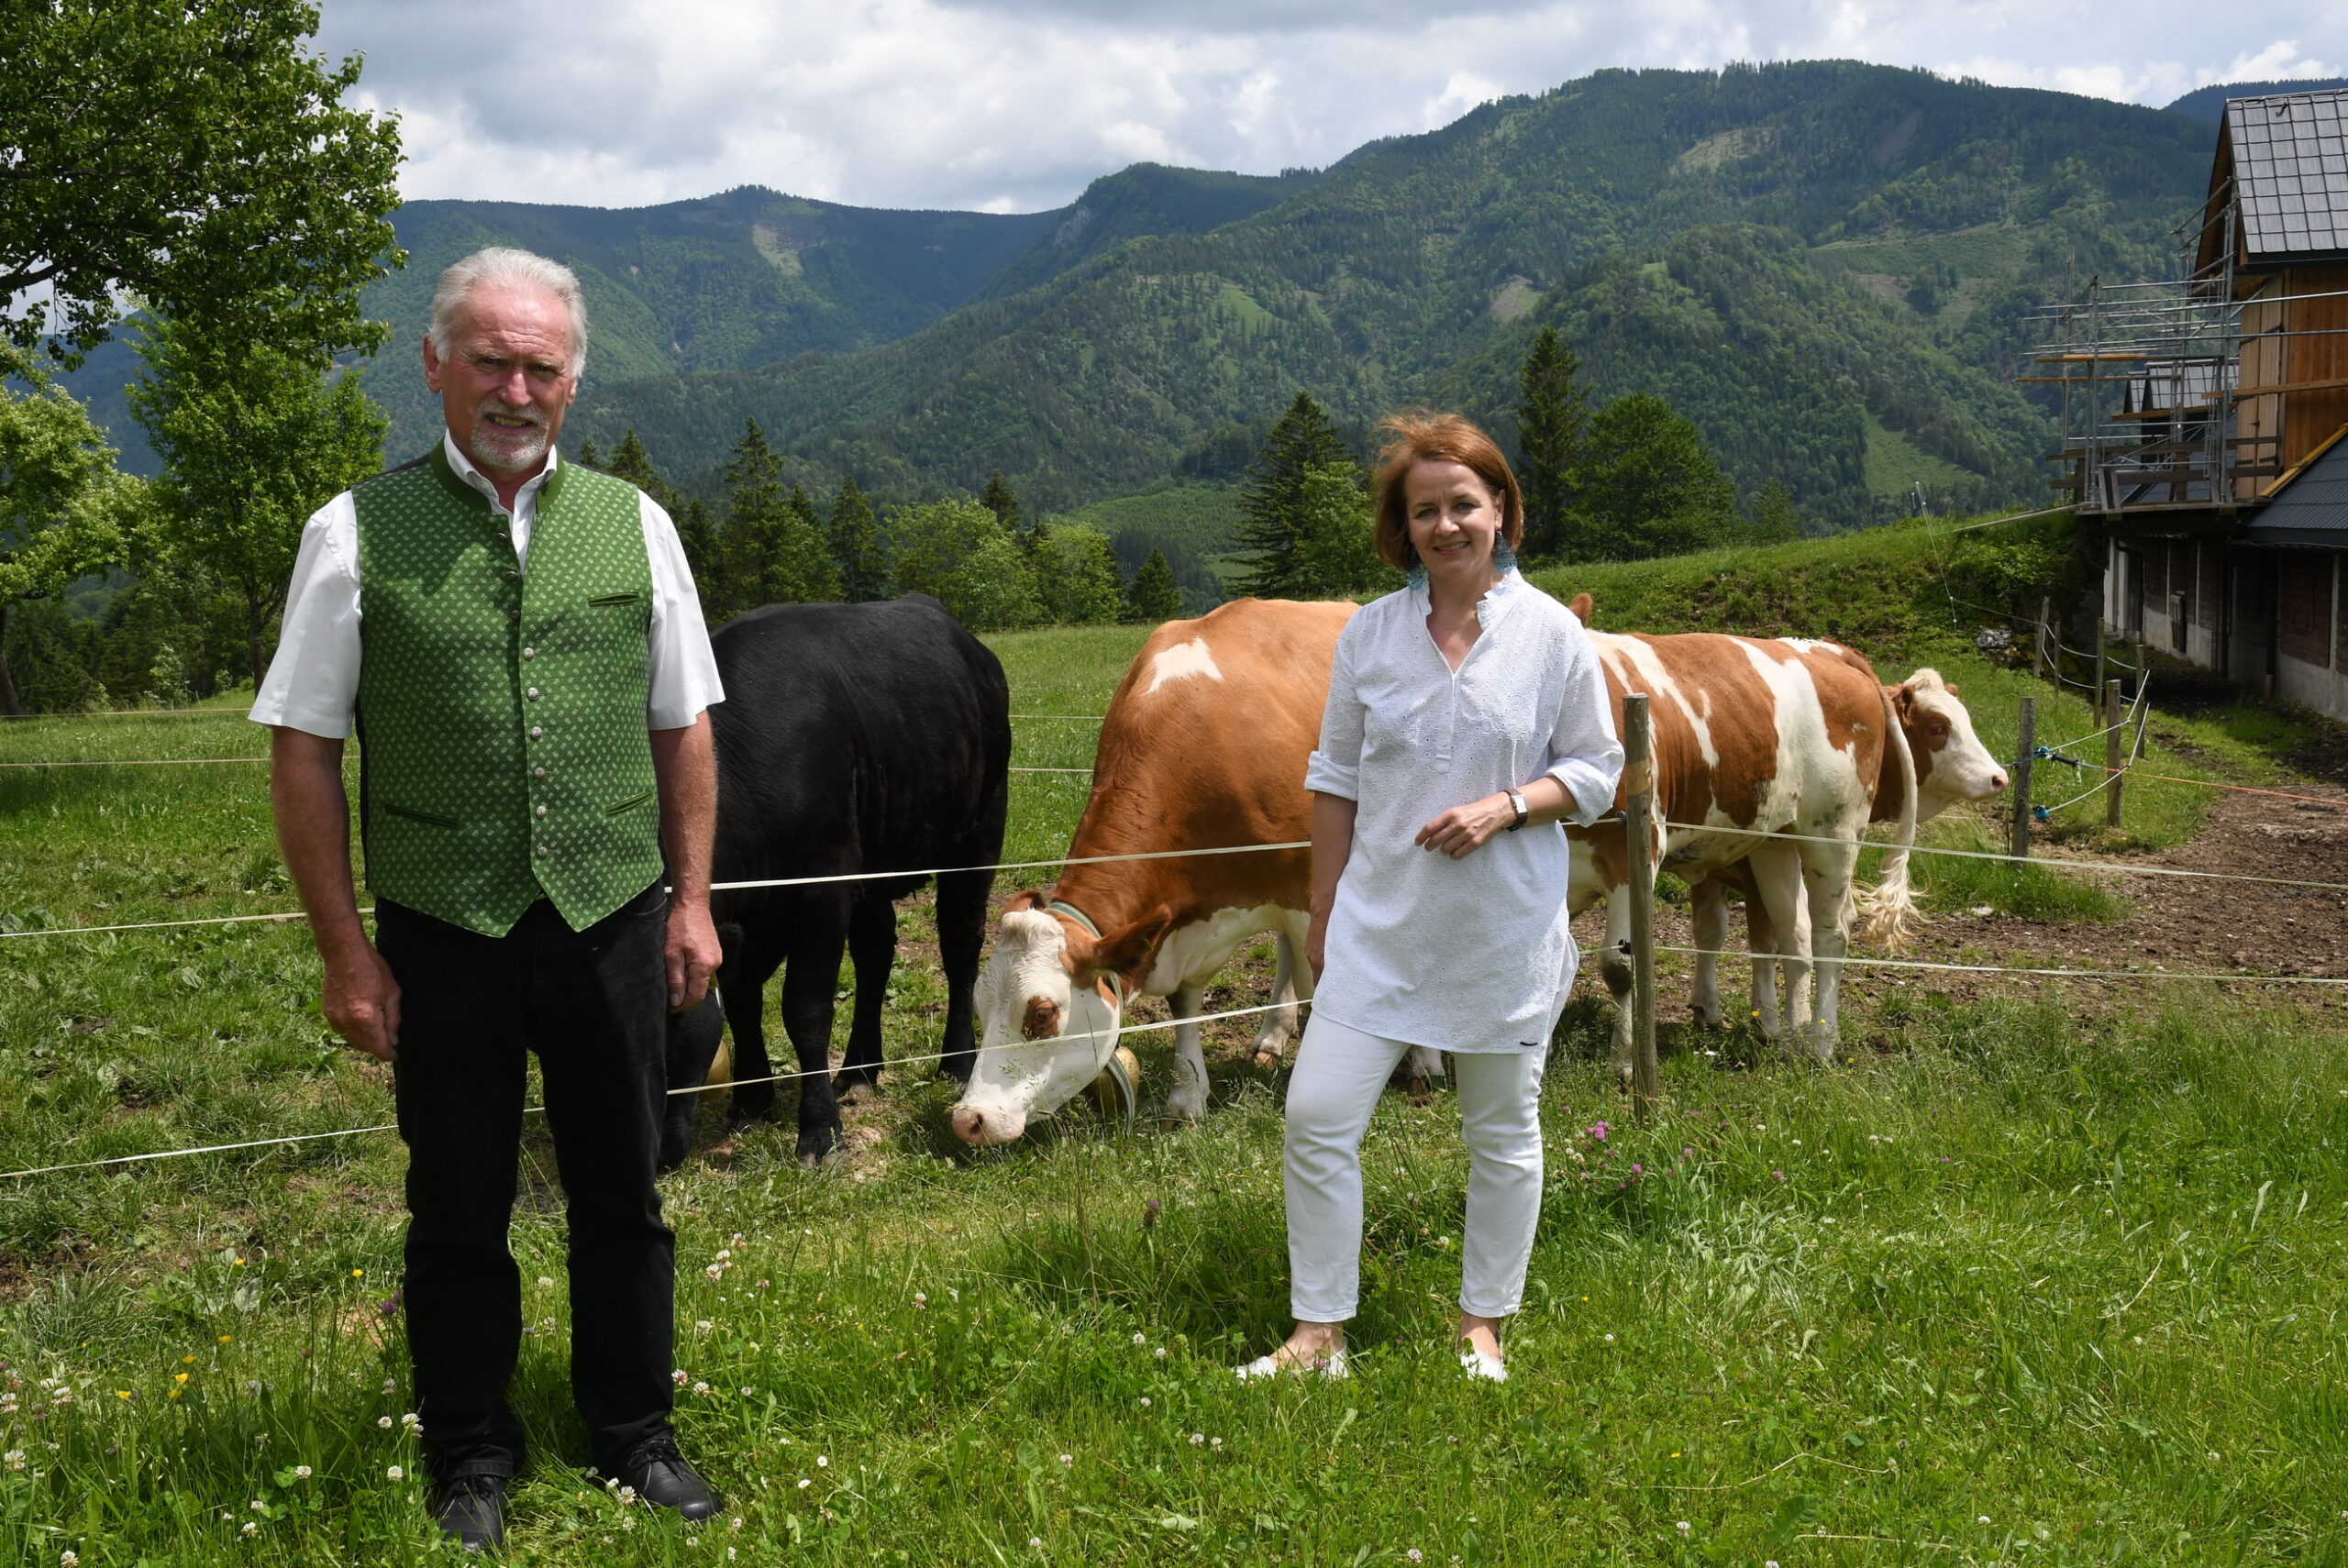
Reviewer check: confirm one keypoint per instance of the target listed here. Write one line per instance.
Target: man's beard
(505, 449)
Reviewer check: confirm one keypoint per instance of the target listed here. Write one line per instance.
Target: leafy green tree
(773, 551)
(1076, 576)
(1647, 486)
(1271, 502)
(1334, 554)
(855, 536)
(1552, 413)
(196, 155)
(956, 552)
(56, 471)
(1151, 597)
(253, 437)
(1775, 521)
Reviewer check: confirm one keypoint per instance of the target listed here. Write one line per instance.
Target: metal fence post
(2115, 715)
(1638, 826)
(2024, 754)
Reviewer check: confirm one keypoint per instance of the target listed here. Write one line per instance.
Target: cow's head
(1952, 764)
(1047, 1016)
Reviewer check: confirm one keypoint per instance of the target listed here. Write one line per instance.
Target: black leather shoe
(661, 1477)
(471, 1508)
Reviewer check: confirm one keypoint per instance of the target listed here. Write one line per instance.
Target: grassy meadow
(2016, 1288)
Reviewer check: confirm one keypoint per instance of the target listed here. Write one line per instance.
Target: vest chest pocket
(412, 814)
(630, 804)
(604, 598)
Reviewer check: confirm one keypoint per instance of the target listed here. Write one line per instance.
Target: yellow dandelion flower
(181, 1377)
(226, 1338)
(187, 1361)
(122, 1393)
(357, 1273)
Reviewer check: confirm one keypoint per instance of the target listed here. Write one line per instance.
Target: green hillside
(1697, 233)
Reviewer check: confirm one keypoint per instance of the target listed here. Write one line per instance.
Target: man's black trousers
(593, 1006)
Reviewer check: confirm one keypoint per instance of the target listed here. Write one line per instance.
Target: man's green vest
(505, 752)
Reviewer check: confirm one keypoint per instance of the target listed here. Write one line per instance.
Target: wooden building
(2204, 419)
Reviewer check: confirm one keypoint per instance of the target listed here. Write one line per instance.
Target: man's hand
(362, 1001)
(692, 953)
(1463, 830)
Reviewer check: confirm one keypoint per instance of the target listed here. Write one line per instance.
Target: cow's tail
(1888, 912)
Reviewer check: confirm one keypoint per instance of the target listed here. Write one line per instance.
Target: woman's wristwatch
(1523, 813)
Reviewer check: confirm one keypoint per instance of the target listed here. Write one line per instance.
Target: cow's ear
(1949, 687)
(1580, 605)
(1903, 702)
(1123, 952)
(1021, 903)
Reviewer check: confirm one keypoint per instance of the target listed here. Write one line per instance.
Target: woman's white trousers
(1340, 1072)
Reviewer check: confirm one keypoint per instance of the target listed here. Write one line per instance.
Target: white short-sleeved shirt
(313, 683)
(1470, 954)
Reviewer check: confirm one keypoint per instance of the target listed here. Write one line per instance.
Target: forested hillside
(1826, 264)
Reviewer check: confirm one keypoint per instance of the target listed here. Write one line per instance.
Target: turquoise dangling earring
(1503, 557)
(1415, 574)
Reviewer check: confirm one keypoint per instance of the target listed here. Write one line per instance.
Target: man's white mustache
(530, 416)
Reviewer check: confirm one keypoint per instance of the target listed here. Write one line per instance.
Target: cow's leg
(872, 950)
(1614, 969)
(809, 983)
(694, 1037)
(1292, 979)
(1422, 1065)
(1827, 870)
(749, 964)
(961, 942)
(1761, 936)
(1777, 876)
(1189, 1100)
(1708, 911)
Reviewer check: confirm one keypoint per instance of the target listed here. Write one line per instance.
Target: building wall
(2317, 350)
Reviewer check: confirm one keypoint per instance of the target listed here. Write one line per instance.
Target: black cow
(852, 738)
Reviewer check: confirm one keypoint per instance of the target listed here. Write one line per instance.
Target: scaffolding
(2156, 417)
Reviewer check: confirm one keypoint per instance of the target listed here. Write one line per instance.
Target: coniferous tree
(1152, 597)
(697, 532)
(772, 552)
(588, 457)
(1271, 502)
(999, 499)
(631, 462)
(1775, 521)
(799, 569)
(1551, 416)
(855, 538)
(1647, 486)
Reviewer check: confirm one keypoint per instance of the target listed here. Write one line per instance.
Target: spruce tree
(697, 532)
(799, 569)
(1272, 512)
(855, 538)
(631, 462)
(588, 457)
(999, 499)
(1152, 597)
(754, 505)
(1551, 416)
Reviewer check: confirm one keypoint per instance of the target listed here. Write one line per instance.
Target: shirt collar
(1488, 609)
(462, 467)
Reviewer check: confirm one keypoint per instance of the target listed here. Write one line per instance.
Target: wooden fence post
(1638, 825)
(2115, 714)
(2025, 753)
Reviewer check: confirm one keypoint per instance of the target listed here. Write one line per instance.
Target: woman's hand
(1463, 830)
(1316, 943)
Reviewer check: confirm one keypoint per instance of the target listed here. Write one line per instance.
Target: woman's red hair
(1421, 436)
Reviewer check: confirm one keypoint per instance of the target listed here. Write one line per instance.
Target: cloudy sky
(1013, 105)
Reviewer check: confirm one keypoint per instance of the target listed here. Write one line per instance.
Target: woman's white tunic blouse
(1470, 954)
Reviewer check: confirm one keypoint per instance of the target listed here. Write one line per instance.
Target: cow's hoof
(856, 1091)
(672, 1156)
(1188, 1113)
(818, 1145)
(1268, 1058)
(752, 1108)
(1421, 1090)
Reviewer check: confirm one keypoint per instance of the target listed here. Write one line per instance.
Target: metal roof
(2291, 164)
(2309, 509)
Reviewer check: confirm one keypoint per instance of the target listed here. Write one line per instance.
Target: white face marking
(1016, 1079)
(1181, 660)
(1962, 768)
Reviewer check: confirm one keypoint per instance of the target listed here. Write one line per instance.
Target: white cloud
(1017, 104)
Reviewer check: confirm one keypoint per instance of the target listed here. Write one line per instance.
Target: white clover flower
(702, 1326)
(251, 1529)
(68, 1559)
(805, 1482)
(13, 1459)
(1144, 1401)
(544, 1283)
(390, 1387)
(823, 1462)
(1683, 1527)
(1198, 1439)
(701, 1387)
(301, 1472)
(259, 1507)
(628, 1494)
(395, 1474)
(1214, 1443)
(411, 1420)
(1035, 1543)
(681, 1378)
(1068, 1460)
(1141, 1338)
(736, 1524)
(1983, 1520)
(1159, 1353)
(384, 1422)
(716, 1271)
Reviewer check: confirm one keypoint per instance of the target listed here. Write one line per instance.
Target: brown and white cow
(1750, 736)
(1948, 764)
(1203, 746)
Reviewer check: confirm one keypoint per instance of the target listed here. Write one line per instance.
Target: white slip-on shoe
(1331, 1364)
(1480, 1368)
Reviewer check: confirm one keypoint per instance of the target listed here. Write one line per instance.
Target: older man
(520, 645)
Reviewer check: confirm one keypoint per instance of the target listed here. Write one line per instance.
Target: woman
(1467, 716)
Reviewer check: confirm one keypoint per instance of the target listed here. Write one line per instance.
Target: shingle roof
(2290, 160)
(2310, 510)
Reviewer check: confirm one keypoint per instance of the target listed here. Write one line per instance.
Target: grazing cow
(1750, 735)
(852, 738)
(1204, 745)
(1949, 765)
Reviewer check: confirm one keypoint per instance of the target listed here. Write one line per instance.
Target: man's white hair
(503, 264)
